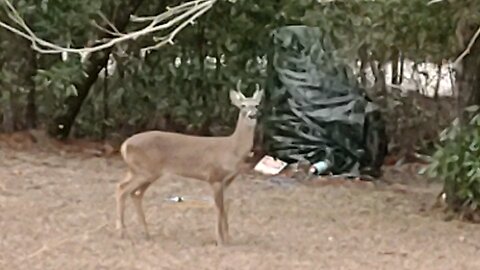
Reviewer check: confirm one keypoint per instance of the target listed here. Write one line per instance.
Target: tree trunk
(437, 90)
(380, 81)
(63, 121)
(439, 79)
(106, 113)
(8, 122)
(402, 65)
(363, 54)
(395, 71)
(31, 109)
(468, 79)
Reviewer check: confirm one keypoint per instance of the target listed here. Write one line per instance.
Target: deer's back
(189, 156)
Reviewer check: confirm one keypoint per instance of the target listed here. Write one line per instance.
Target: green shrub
(456, 162)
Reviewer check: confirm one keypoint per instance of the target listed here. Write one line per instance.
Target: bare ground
(57, 211)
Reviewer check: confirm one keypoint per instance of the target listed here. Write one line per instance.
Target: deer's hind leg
(130, 185)
(137, 198)
(120, 196)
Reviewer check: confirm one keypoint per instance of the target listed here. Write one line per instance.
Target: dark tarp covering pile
(315, 108)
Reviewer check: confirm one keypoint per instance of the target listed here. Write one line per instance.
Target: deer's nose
(252, 115)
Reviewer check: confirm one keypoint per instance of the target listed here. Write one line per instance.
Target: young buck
(153, 155)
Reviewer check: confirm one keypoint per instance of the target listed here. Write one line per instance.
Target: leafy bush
(457, 163)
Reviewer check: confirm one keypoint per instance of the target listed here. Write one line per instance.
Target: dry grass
(57, 212)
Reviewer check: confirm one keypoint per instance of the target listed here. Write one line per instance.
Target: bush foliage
(456, 162)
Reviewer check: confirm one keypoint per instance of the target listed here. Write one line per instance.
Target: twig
(113, 33)
(469, 47)
(45, 248)
(398, 87)
(109, 23)
(170, 37)
(434, 2)
(170, 11)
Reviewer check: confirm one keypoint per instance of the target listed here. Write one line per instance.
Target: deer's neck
(242, 137)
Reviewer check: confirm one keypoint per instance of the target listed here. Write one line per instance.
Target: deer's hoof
(120, 230)
(222, 242)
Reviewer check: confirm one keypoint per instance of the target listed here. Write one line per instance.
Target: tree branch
(467, 50)
(181, 16)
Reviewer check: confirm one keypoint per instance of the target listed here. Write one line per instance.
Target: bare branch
(434, 2)
(108, 22)
(166, 15)
(114, 32)
(170, 37)
(467, 50)
(101, 28)
(179, 16)
(470, 43)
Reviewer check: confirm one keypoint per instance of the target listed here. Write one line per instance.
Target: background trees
(229, 42)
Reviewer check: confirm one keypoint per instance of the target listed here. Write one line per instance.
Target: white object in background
(269, 165)
(320, 167)
(175, 199)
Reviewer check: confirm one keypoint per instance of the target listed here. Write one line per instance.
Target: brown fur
(216, 160)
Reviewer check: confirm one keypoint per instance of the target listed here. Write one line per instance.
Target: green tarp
(316, 109)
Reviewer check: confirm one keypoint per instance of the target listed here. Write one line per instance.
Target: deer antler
(239, 85)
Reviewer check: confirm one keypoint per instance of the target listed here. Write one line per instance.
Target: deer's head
(248, 106)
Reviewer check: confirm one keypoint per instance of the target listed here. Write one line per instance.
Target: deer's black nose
(252, 115)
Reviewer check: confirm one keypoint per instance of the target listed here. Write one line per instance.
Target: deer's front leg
(226, 183)
(222, 223)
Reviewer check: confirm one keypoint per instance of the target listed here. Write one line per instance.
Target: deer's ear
(235, 98)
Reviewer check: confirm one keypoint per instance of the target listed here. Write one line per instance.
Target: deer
(216, 160)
